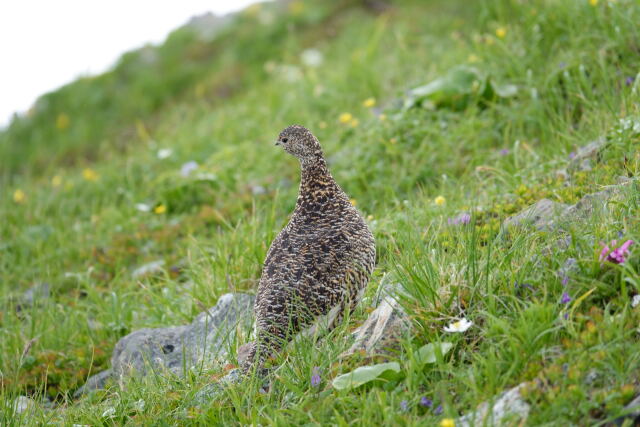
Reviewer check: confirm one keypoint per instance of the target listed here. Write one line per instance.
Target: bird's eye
(285, 139)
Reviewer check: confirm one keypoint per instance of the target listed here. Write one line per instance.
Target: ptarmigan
(320, 262)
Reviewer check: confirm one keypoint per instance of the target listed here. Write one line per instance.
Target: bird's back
(324, 254)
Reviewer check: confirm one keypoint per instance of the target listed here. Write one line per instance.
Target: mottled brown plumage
(320, 262)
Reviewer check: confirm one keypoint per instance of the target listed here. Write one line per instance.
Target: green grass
(77, 227)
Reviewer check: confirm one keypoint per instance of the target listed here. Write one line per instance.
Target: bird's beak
(277, 142)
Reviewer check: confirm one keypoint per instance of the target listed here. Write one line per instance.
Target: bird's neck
(317, 186)
(314, 169)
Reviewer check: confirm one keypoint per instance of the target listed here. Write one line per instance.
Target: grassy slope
(84, 236)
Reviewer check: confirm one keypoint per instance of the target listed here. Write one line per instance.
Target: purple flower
(617, 255)
(519, 286)
(404, 405)
(565, 316)
(565, 280)
(562, 65)
(504, 151)
(315, 377)
(629, 80)
(566, 299)
(426, 402)
(572, 154)
(438, 410)
(187, 168)
(463, 218)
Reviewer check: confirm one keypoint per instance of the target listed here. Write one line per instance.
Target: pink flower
(463, 218)
(617, 255)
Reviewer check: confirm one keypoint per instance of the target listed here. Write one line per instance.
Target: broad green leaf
(364, 374)
(427, 353)
(456, 89)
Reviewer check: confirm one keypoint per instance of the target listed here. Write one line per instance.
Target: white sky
(46, 44)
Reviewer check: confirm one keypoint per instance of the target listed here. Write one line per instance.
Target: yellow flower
(345, 118)
(354, 122)
(89, 174)
(473, 58)
(62, 121)
(447, 422)
(353, 202)
(56, 181)
(593, 2)
(322, 125)
(382, 117)
(19, 196)
(501, 32)
(369, 102)
(160, 209)
(393, 141)
(296, 7)
(439, 200)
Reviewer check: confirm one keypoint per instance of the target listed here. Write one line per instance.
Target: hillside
(136, 198)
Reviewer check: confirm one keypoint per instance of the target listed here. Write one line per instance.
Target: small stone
(384, 327)
(591, 377)
(211, 391)
(23, 404)
(506, 409)
(95, 382)
(586, 157)
(569, 267)
(258, 190)
(541, 215)
(632, 417)
(37, 293)
(149, 268)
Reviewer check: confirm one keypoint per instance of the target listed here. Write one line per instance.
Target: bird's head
(300, 142)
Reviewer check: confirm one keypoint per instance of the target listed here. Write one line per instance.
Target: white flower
(635, 301)
(109, 412)
(311, 57)
(143, 207)
(460, 326)
(187, 168)
(163, 153)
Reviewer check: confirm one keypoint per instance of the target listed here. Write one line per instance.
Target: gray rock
(507, 408)
(174, 349)
(586, 157)
(24, 404)
(384, 327)
(95, 382)
(541, 215)
(569, 267)
(552, 216)
(37, 293)
(591, 203)
(632, 414)
(152, 267)
(213, 390)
